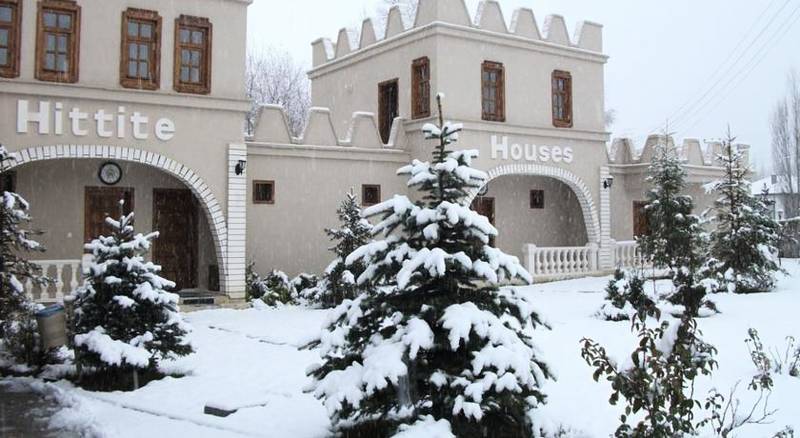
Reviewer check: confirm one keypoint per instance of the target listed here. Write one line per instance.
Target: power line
(677, 120)
(748, 69)
(730, 56)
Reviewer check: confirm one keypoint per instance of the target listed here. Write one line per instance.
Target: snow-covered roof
(777, 185)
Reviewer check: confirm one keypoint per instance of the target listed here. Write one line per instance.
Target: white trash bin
(52, 322)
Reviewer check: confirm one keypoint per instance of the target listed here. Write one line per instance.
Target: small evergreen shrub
(625, 296)
(691, 295)
(22, 340)
(274, 289)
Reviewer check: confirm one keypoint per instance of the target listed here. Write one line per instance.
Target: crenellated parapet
(488, 18)
(272, 127)
(623, 151)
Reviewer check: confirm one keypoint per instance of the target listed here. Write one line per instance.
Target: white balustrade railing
(564, 261)
(66, 276)
(627, 254)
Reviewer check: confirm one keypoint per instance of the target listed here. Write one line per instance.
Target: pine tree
(745, 239)
(339, 280)
(673, 231)
(434, 337)
(15, 241)
(125, 320)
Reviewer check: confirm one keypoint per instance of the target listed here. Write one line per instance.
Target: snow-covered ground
(251, 360)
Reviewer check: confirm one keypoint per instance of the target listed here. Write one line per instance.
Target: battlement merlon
(624, 152)
(588, 37)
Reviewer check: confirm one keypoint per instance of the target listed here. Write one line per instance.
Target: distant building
(783, 201)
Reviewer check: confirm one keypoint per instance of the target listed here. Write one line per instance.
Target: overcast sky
(703, 64)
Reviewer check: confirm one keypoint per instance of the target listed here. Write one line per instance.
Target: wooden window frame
(382, 121)
(256, 183)
(567, 95)
(63, 6)
(14, 37)
(420, 105)
(536, 205)
(204, 87)
(364, 188)
(154, 60)
(499, 115)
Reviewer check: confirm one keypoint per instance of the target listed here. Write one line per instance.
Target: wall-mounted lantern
(608, 182)
(241, 165)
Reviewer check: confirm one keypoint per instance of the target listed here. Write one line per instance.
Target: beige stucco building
(144, 100)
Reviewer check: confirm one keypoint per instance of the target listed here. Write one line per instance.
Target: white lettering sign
(501, 150)
(106, 124)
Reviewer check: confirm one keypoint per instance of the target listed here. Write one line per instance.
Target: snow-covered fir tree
(673, 237)
(743, 245)
(124, 318)
(434, 339)
(339, 280)
(16, 239)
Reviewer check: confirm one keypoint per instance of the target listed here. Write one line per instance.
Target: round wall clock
(110, 173)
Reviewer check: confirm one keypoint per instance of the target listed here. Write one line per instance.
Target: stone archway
(590, 215)
(210, 206)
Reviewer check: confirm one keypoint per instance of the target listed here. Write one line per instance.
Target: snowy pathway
(250, 359)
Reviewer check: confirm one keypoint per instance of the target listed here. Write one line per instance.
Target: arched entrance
(565, 234)
(205, 199)
(577, 185)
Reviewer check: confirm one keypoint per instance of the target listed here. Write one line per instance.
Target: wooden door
(102, 202)
(484, 206)
(641, 227)
(388, 107)
(175, 249)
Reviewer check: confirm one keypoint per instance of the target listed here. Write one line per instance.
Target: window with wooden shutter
(10, 24)
(58, 41)
(388, 107)
(493, 91)
(192, 55)
(562, 99)
(421, 88)
(140, 58)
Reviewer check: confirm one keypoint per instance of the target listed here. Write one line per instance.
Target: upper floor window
(421, 88)
(9, 38)
(192, 55)
(388, 108)
(493, 91)
(562, 99)
(58, 41)
(141, 49)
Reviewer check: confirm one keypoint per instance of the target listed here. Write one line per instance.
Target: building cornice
(504, 128)
(161, 98)
(439, 28)
(695, 173)
(327, 152)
